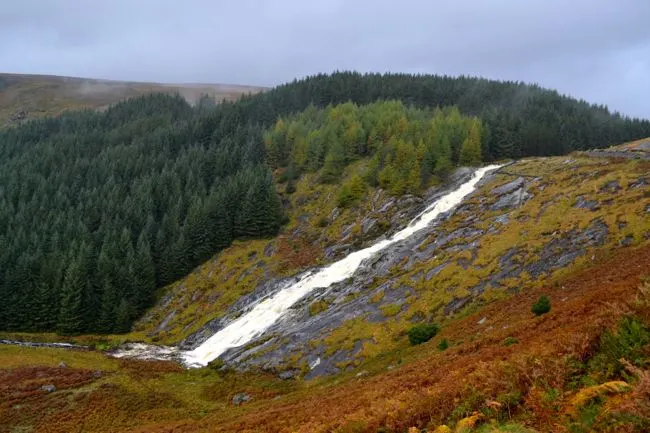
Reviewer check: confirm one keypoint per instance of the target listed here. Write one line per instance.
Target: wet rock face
(378, 292)
(297, 331)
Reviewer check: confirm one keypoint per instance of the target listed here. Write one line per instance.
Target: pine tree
(108, 308)
(71, 315)
(334, 163)
(470, 152)
(124, 316)
(442, 150)
(144, 275)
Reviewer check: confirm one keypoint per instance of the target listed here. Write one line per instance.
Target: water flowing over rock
(270, 310)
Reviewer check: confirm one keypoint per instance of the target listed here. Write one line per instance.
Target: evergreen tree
(71, 314)
(470, 152)
(442, 150)
(334, 162)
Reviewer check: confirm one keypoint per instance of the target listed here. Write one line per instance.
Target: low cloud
(593, 49)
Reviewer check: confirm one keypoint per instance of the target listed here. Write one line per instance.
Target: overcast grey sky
(594, 49)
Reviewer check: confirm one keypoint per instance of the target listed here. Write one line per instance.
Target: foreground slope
(581, 367)
(25, 96)
(506, 370)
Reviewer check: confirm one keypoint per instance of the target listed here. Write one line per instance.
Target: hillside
(140, 194)
(579, 236)
(346, 252)
(24, 97)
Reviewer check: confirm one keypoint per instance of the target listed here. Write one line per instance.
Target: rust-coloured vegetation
(534, 383)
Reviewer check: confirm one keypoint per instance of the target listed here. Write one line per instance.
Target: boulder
(48, 388)
(591, 205)
(435, 271)
(612, 186)
(511, 200)
(336, 250)
(509, 187)
(334, 214)
(286, 375)
(241, 398)
(270, 249)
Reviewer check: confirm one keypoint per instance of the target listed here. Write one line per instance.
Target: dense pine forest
(408, 148)
(98, 210)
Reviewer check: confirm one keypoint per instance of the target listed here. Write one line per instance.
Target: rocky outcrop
(241, 398)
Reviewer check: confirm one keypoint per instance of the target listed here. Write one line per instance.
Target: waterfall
(267, 312)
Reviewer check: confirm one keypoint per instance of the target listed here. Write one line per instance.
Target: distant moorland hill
(25, 96)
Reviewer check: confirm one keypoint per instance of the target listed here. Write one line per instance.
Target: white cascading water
(267, 312)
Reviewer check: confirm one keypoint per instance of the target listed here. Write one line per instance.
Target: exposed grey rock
(368, 226)
(48, 388)
(52, 345)
(289, 374)
(334, 214)
(337, 251)
(617, 154)
(408, 201)
(165, 323)
(386, 206)
(241, 398)
(502, 219)
(347, 231)
(418, 316)
(509, 187)
(581, 203)
(612, 186)
(270, 249)
(511, 200)
(435, 271)
(639, 183)
(627, 241)
(644, 146)
(561, 251)
(456, 305)
(62, 365)
(303, 218)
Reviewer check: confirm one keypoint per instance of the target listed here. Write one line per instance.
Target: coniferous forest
(99, 209)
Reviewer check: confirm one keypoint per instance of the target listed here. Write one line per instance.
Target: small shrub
(509, 341)
(351, 191)
(443, 345)
(291, 187)
(323, 222)
(317, 307)
(422, 333)
(542, 306)
(216, 364)
(629, 343)
(377, 297)
(391, 309)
